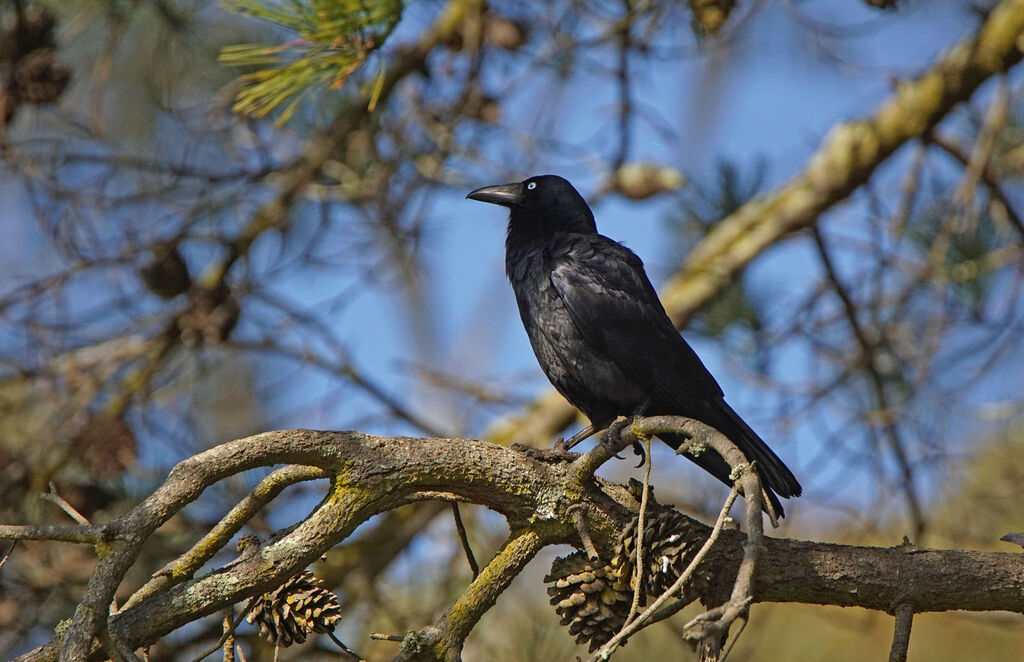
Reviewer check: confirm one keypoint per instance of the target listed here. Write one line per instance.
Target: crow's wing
(614, 306)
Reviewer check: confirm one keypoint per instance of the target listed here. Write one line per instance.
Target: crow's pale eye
(531, 186)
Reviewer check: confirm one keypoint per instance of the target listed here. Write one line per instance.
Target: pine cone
(593, 600)
(668, 547)
(210, 317)
(166, 275)
(293, 610)
(40, 77)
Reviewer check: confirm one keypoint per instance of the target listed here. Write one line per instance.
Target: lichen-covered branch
(187, 564)
(844, 161)
(539, 499)
(444, 640)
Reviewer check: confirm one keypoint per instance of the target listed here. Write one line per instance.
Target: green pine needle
(331, 39)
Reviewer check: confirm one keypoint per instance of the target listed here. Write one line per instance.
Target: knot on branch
(593, 598)
(416, 643)
(737, 472)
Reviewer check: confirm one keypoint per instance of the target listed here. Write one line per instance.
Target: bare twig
(7, 555)
(348, 651)
(881, 397)
(981, 152)
(227, 635)
(460, 530)
(638, 574)
(381, 636)
(676, 587)
(70, 510)
(987, 176)
(576, 510)
(710, 629)
(743, 620)
(86, 534)
(901, 632)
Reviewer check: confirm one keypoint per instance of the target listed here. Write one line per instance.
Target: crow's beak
(506, 195)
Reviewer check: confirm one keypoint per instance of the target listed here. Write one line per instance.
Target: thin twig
(637, 624)
(638, 572)
(381, 636)
(340, 644)
(732, 644)
(710, 628)
(228, 636)
(576, 510)
(70, 510)
(909, 187)
(80, 534)
(868, 351)
(981, 152)
(228, 633)
(901, 632)
(460, 529)
(986, 175)
(3, 561)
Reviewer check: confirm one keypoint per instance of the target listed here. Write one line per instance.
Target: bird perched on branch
(600, 332)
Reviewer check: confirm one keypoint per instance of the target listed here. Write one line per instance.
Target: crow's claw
(638, 449)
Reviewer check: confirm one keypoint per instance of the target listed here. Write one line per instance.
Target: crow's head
(548, 201)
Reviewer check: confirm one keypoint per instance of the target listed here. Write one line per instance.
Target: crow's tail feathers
(776, 478)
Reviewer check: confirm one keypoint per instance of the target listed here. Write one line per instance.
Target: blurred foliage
(970, 242)
(982, 503)
(330, 38)
(701, 207)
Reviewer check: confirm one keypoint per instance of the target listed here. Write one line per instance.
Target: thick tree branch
(844, 161)
(375, 474)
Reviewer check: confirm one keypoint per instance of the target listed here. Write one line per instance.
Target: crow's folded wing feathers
(614, 306)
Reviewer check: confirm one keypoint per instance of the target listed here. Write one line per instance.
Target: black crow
(600, 332)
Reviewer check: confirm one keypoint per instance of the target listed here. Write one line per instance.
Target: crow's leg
(638, 448)
(576, 438)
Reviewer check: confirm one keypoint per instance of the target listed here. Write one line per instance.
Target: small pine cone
(592, 600)
(166, 275)
(210, 316)
(40, 77)
(293, 610)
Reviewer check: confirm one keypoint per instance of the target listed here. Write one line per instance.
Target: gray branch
(372, 474)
